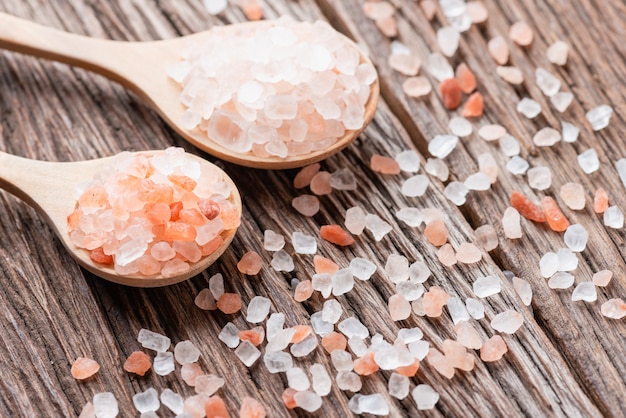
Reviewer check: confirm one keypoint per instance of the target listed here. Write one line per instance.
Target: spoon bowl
(50, 188)
(141, 67)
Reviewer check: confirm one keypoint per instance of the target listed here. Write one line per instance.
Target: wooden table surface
(566, 360)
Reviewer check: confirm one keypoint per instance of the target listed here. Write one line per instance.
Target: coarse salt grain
(557, 53)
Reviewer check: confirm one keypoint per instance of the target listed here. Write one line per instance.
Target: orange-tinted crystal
(474, 106)
(97, 255)
(229, 303)
(138, 362)
(216, 408)
(554, 216)
(366, 365)
(526, 207)
(466, 78)
(451, 93)
(600, 201)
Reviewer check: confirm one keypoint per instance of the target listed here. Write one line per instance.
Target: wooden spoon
(50, 187)
(141, 67)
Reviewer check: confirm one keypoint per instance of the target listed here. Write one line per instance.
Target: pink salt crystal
(429, 7)
(304, 290)
(147, 265)
(614, 308)
(499, 50)
(174, 268)
(521, 33)
(466, 78)
(573, 194)
(416, 86)
(378, 9)
(440, 363)
(320, 183)
(467, 335)
(434, 300)
(446, 256)
(307, 205)
(487, 164)
(491, 132)
(189, 372)
(468, 253)
(205, 300)
(194, 405)
(162, 251)
(250, 264)
(487, 237)
(436, 232)
(493, 349)
(84, 368)
(457, 355)
(602, 278)
(406, 64)
(477, 11)
(189, 251)
(511, 75)
(251, 408)
(229, 303)
(388, 26)
(384, 165)
(252, 9)
(511, 223)
(88, 411)
(399, 308)
(304, 176)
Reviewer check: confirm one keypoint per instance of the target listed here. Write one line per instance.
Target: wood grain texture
(567, 360)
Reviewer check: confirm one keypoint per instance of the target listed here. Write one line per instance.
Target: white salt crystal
(409, 290)
(561, 280)
(343, 282)
(529, 108)
(163, 363)
(303, 243)
(153, 341)
(342, 360)
(304, 347)
(568, 260)
(419, 272)
(307, 400)
(397, 268)
(369, 404)
(487, 164)
(620, 166)
(562, 100)
(348, 380)
(557, 53)
(415, 186)
(282, 261)
(277, 361)
(410, 216)
(322, 384)
(332, 310)
(549, 264)
(487, 286)
(517, 165)
(320, 327)
(613, 308)
(399, 386)
(409, 161)
(460, 126)
(185, 352)
(147, 400)
(208, 384)
(216, 285)
(475, 308)
(398, 47)
(362, 268)
(576, 237)
(478, 181)
(172, 400)
(491, 132)
(599, 117)
(438, 168)
(273, 241)
(425, 397)
(258, 309)
(377, 226)
(409, 335)
(509, 145)
(439, 67)
(448, 39)
(585, 291)
(457, 309)
(355, 220)
(539, 178)
(508, 321)
(523, 289)
(274, 325)
(546, 137)
(343, 179)
(569, 132)
(511, 223)
(456, 192)
(229, 335)
(215, 7)
(297, 379)
(442, 145)
(105, 405)
(588, 161)
(548, 83)
(280, 340)
(613, 217)
(352, 327)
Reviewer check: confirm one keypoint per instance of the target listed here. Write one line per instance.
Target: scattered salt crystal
(573, 194)
(153, 341)
(475, 308)
(404, 62)
(258, 309)
(557, 53)
(409, 290)
(539, 178)
(468, 253)
(419, 272)
(163, 363)
(477, 11)
(307, 400)
(439, 67)
(352, 327)
(517, 165)
(377, 226)
(491, 132)
(274, 324)
(585, 291)
(273, 241)
(588, 161)
(215, 7)
(487, 237)
(216, 285)
(320, 326)
(509, 145)
(415, 186)
(614, 308)
(172, 400)
(277, 361)
(546, 137)
(521, 33)
(523, 289)
(147, 400)
(397, 268)
(511, 75)
(602, 278)
(297, 379)
(409, 335)
(342, 360)
(478, 181)
(568, 260)
(362, 268)
(425, 397)
(529, 108)
(511, 223)
(229, 335)
(355, 220)
(377, 10)
(548, 83)
(446, 255)
(369, 404)
(399, 308)
(493, 349)
(348, 380)
(458, 311)
(331, 312)
(399, 386)
(105, 405)
(410, 216)
(508, 321)
(438, 168)
(185, 352)
(562, 100)
(442, 145)
(208, 384)
(280, 340)
(561, 280)
(569, 132)
(343, 179)
(343, 282)
(549, 264)
(205, 301)
(322, 384)
(282, 261)
(304, 347)
(304, 176)
(576, 237)
(487, 286)
(409, 161)
(499, 50)
(599, 117)
(320, 183)
(460, 127)
(456, 192)
(448, 39)
(417, 86)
